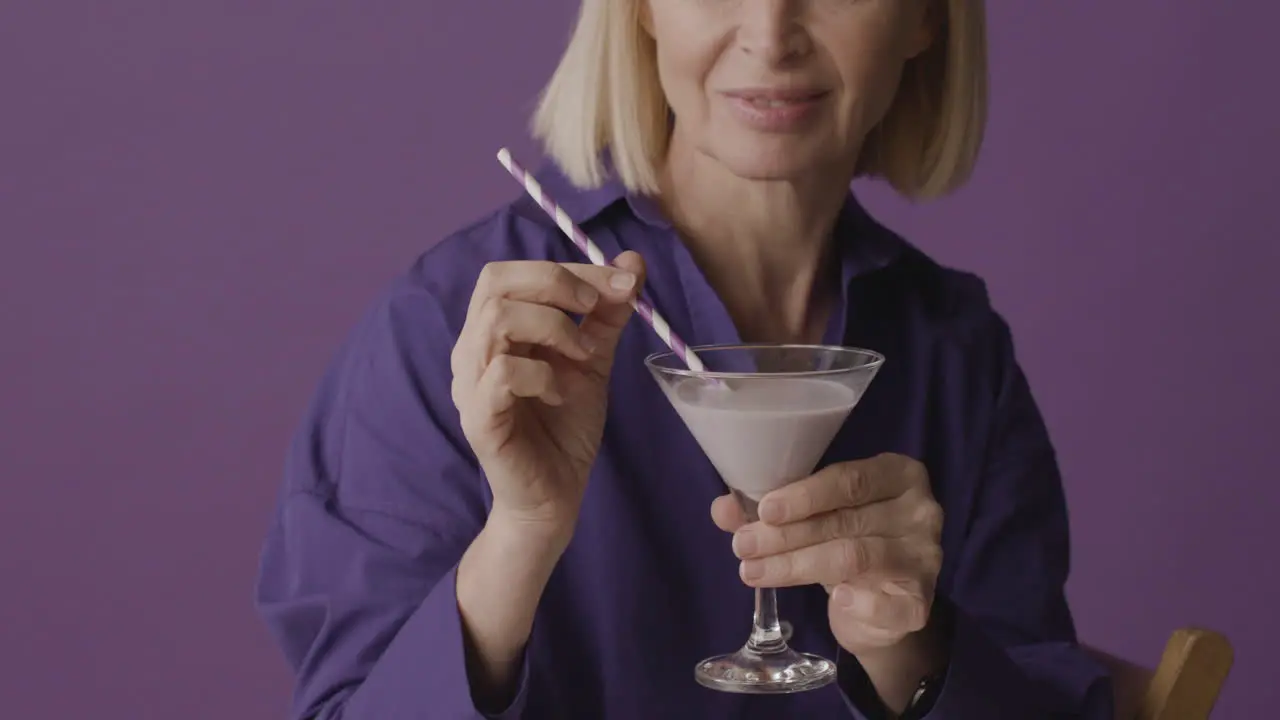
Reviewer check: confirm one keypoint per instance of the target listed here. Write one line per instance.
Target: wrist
(500, 580)
(535, 542)
(918, 650)
(893, 673)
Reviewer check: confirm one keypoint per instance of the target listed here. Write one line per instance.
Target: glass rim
(875, 361)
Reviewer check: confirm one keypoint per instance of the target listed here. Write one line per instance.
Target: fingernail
(587, 295)
(744, 543)
(751, 570)
(860, 603)
(588, 343)
(844, 596)
(622, 281)
(772, 511)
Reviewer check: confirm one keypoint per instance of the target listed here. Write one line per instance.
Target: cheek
(870, 80)
(870, 60)
(879, 91)
(685, 64)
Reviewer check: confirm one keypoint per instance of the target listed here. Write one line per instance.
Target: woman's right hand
(531, 386)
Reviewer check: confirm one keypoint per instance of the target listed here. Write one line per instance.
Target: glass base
(776, 673)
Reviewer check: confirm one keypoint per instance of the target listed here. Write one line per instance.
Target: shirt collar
(582, 205)
(865, 244)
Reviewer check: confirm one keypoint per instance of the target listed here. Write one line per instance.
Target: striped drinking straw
(584, 243)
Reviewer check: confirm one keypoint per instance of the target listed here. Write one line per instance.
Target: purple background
(196, 200)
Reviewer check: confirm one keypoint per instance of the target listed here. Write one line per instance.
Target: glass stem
(766, 632)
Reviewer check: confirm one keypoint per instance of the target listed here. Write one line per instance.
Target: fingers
(889, 518)
(508, 378)
(525, 302)
(843, 485)
(573, 287)
(605, 323)
(502, 323)
(878, 613)
(726, 513)
(832, 562)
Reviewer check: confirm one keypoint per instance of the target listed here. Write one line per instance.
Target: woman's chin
(777, 161)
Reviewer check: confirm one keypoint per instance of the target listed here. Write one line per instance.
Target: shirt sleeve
(380, 498)
(1009, 631)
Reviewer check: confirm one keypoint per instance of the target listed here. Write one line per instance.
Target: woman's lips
(775, 110)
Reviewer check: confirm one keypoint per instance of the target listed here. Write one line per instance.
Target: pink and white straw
(593, 252)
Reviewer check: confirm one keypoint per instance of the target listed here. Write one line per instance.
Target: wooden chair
(1184, 686)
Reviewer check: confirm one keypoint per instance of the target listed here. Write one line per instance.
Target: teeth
(772, 103)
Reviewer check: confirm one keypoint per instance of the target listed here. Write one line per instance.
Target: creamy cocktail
(764, 415)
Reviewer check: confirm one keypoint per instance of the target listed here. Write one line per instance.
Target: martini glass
(764, 415)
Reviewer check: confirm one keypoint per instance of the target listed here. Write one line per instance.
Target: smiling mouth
(765, 103)
(777, 98)
(776, 110)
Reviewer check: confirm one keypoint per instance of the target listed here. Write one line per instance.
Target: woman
(491, 511)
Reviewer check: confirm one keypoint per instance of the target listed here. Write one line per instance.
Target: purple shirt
(382, 495)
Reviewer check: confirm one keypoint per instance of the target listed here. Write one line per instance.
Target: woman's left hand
(869, 531)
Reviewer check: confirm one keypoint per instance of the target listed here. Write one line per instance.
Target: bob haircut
(605, 95)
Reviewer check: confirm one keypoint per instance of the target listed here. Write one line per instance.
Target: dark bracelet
(924, 698)
(858, 686)
(943, 618)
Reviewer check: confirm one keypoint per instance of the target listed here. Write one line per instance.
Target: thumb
(605, 324)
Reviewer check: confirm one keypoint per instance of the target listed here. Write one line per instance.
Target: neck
(764, 245)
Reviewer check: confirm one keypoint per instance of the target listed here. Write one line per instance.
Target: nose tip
(772, 30)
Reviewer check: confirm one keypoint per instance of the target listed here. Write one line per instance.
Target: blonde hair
(605, 95)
